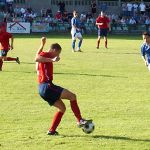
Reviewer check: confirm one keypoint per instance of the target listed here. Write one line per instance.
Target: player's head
(146, 36)
(75, 13)
(102, 14)
(55, 49)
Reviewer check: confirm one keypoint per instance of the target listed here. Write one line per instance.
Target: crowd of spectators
(132, 13)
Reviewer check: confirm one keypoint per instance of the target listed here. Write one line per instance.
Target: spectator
(124, 9)
(61, 7)
(142, 8)
(135, 8)
(129, 8)
(65, 16)
(93, 7)
(49, 12)
(43, 12)
(58, 16)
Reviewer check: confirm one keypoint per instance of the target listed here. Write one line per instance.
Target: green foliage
(112, 86)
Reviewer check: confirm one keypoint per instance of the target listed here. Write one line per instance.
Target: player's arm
(145, 61)
(43, 41)
(143, 56)
(11, 42)
(99, 24)
(42, 59)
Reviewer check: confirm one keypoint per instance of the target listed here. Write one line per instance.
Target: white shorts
(76, 35)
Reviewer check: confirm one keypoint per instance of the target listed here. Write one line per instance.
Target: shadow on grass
(108, 137)
(87, 74)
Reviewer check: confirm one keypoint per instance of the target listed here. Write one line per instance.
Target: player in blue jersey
(76, 32)
(145, 49)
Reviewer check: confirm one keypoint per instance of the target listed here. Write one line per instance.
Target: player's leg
(2, 55)
(73, 41)
(98, 42)
(79, 36)
(57, 117)
(12, 59)
(105, 36)
(105, 39)
(1, 63)
(66, 94)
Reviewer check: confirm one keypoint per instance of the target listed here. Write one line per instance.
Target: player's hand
(11, 47)
(43, 40)
(56, 59)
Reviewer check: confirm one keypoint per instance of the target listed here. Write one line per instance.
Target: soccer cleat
(73, 50)
(79, 50)
(17, 60)
(0, 69)
(52, 133)
(97, 47)
(83, 122)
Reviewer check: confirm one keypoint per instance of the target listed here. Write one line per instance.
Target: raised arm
(43, 41)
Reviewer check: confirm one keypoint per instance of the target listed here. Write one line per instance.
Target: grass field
(112, 86)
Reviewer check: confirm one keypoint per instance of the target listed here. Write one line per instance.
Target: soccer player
(76, 32)
(52, 93)
(5, 46)
(103, 24)
(145, 49)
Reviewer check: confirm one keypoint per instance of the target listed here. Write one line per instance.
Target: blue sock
(73, 44)
(80, 43)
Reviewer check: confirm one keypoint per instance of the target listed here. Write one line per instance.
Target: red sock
(1, 64)
(98, 42)
(76, 110)
(10, 59)
(56, 120)
(106, 43)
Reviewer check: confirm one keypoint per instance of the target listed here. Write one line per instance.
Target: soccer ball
(88, 128)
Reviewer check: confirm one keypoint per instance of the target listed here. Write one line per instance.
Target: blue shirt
(145, 51)
(76, 22)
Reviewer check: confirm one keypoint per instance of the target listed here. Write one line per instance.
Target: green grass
(112, 88)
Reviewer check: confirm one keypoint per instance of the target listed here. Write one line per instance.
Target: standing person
(145, 49)
(103, 26)
(93, 7)
(52, 93)
(5, 37)
(76, 32)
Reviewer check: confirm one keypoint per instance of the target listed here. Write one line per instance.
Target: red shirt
(105, 20)
(4, 40)
(45, 69)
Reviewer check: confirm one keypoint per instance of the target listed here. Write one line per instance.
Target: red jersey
(45, 69)
(4, 40)
(105, 20)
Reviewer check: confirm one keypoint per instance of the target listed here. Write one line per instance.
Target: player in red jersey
(52, 93)
(5, 46)
(103, 27)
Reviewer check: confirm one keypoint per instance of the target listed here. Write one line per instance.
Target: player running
(52, 93)
(76, 32)
(5, 46)
(145, 49)
(103, 24)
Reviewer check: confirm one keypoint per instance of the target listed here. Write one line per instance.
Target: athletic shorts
(102, 32)
(3, 53)
(50, 92)
(76, 35)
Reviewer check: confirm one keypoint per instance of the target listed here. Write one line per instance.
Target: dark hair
(56, 46)
(146, 33)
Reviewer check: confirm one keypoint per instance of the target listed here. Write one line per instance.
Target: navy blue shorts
(102, 32)
(3, 53)
(50, 92)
